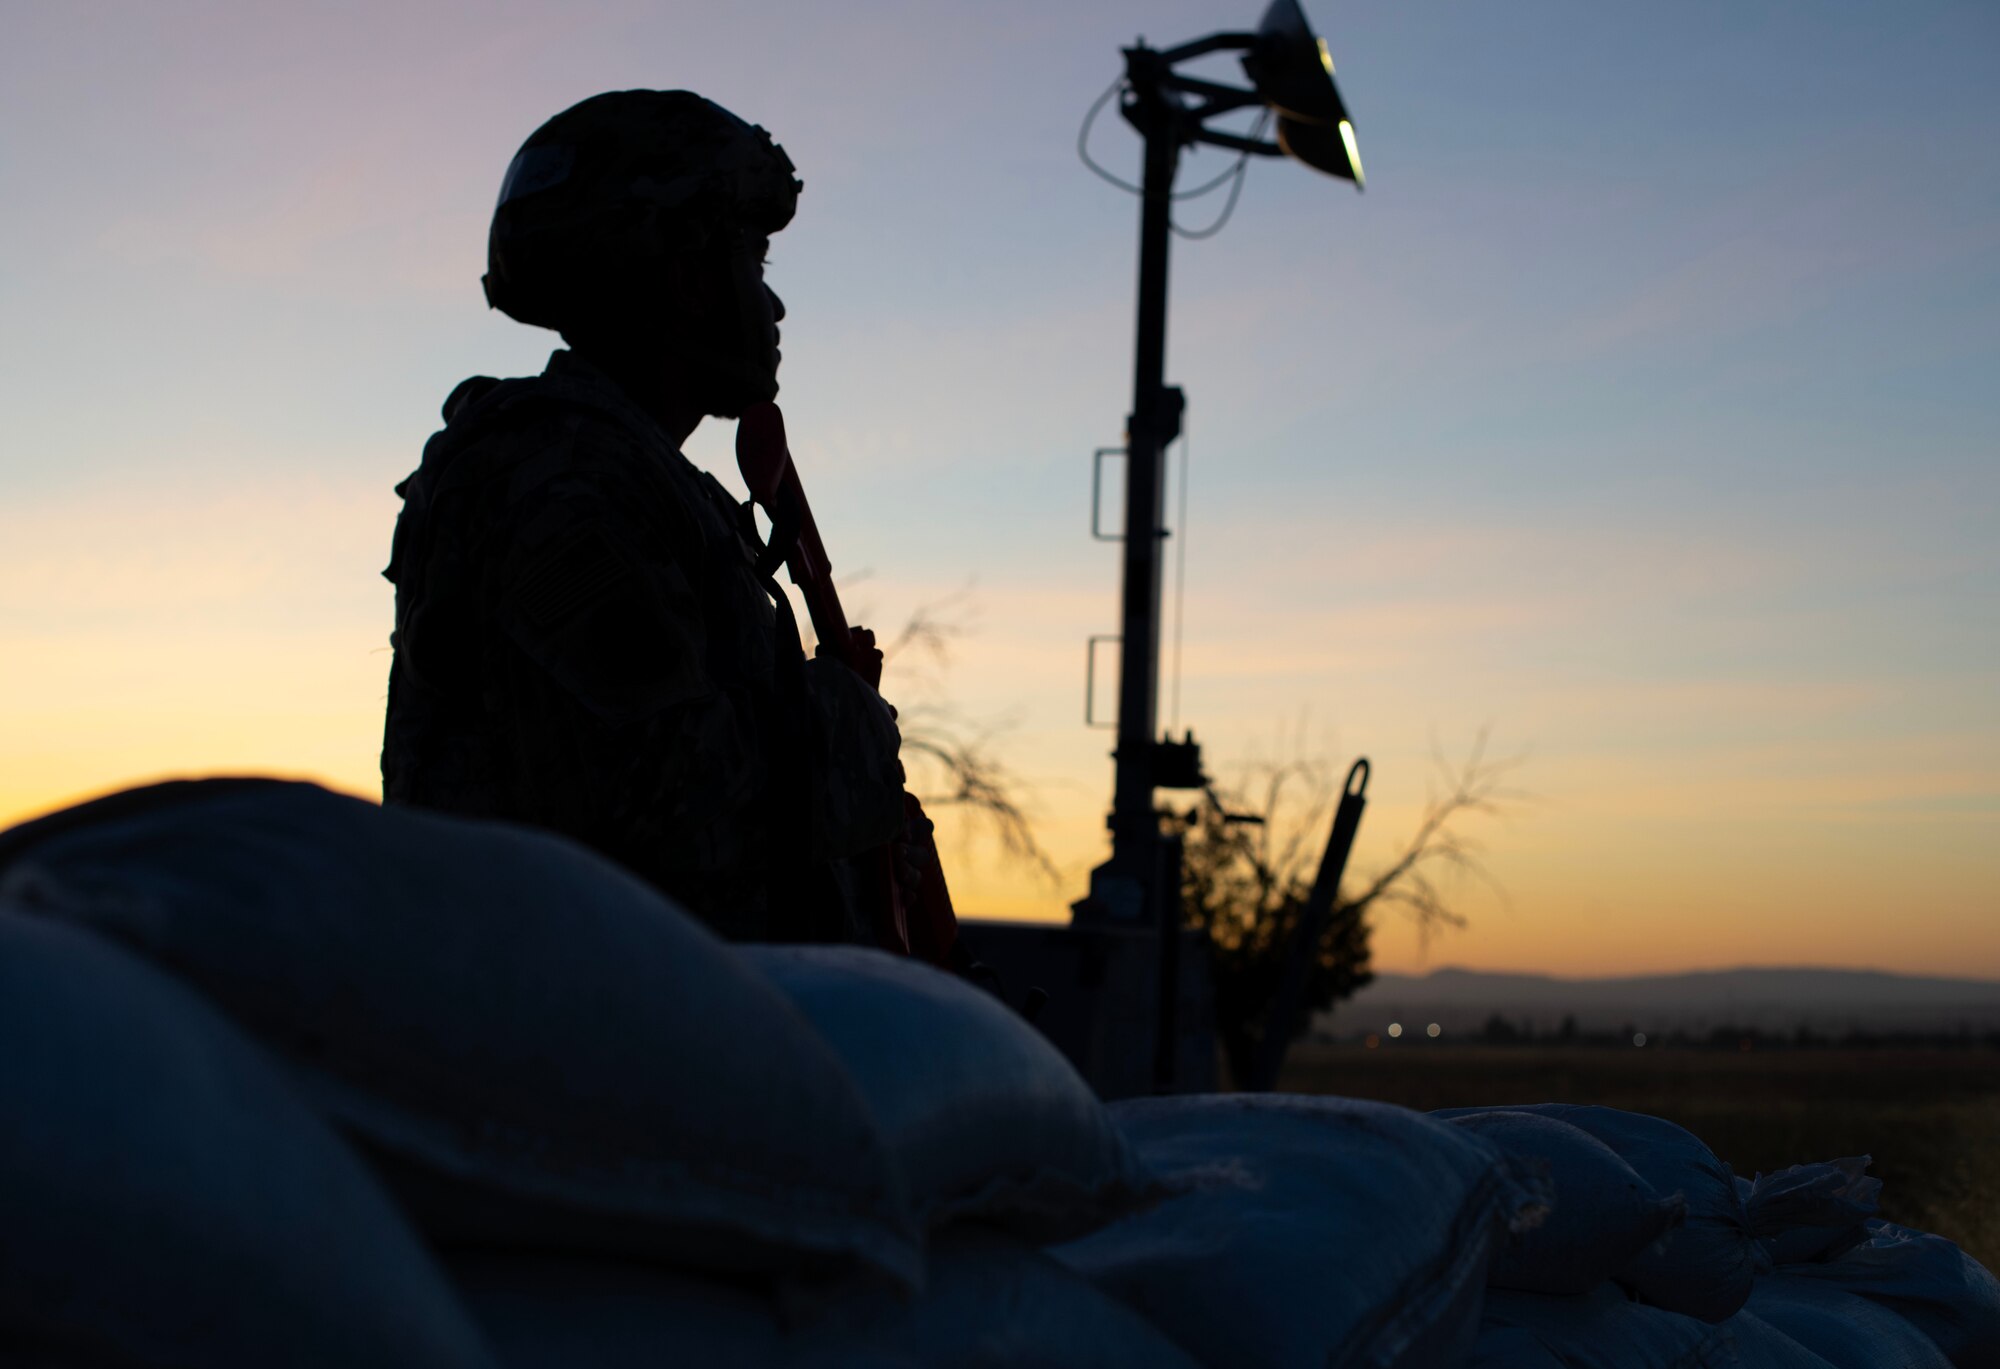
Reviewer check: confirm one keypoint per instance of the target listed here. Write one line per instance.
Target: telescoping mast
(1116, 975)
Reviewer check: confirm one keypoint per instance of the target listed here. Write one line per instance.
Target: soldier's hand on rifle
(861, 654)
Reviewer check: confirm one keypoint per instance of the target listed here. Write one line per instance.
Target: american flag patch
(569, 578)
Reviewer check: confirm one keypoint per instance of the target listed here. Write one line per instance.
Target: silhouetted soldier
(584, 641)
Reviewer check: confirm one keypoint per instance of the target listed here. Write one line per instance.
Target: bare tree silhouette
(953, 758)
(1245, 884)
(1476, 787)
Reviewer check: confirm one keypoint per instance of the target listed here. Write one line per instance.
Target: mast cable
(1235, 170)
(1235, 189)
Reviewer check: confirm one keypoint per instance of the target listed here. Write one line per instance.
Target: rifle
(929, 929)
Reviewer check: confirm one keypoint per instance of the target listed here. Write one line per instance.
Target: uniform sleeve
(614, 624)
(626, 737)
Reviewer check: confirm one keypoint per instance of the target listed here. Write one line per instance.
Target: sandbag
(1509, 1347)
(990, 1302)
(1810, 1212)
(165, 1199)
(553, 1312)
(1602, 1216)
(1324, 1231)
(541, 1050)
(1703, 1268)
(1844, 1329)
(1604, 1329)
(1928, 1282)
(985, 1118)
(1760, 1345)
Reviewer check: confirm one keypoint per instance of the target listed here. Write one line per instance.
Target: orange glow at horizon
(184, 652)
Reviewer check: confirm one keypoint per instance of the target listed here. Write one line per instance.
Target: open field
(1931, 1118)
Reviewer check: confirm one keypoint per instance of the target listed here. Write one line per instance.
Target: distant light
(1638, 1038)
(1373, 1041)
(1432, 1030)
(1353, 153)
(1395, 1029)
(1325, 57)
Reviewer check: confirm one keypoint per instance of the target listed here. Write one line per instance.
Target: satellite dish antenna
(1291, 74)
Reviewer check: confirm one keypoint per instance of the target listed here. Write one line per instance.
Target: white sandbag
(165, 1199)
(1760, 1345)
(990, 1302)
(554, 1312)
(541, 1049)
(1604, 1329)
(1602, 1215)
(1704, 1267)
(1810, 1212)
(1928, 1282)
(1324, 1231)
(993, 1303)
(1509, 1347)
(1843, 1329)
(986, 1119)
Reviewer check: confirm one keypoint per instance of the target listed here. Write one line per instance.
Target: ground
(1931, 1118)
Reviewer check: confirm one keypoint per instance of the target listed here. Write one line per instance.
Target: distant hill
(1769, 999)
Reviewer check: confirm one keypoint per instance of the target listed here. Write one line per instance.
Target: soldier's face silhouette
(727, 332)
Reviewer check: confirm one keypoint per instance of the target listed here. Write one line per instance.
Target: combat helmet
(602, 194)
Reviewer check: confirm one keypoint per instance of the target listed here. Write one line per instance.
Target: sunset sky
(1644, 412)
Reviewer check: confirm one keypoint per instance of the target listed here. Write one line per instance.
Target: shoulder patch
(571, 577)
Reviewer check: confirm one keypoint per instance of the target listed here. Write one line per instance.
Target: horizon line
(1685, 974)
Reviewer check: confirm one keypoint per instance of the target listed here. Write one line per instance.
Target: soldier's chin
(738, 390)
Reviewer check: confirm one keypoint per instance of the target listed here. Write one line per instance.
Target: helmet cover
(602, 194)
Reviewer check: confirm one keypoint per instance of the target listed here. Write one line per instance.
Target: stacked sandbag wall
(1786, 1271)
(306, 1081)
(551, 1091)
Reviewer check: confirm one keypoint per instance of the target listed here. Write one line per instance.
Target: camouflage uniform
(583, 643)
